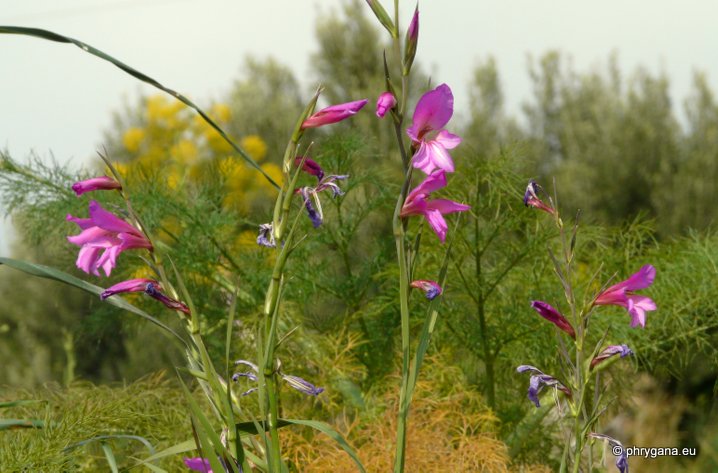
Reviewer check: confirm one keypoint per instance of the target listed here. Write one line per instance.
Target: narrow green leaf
(208, 437)
(329, 431)
(47, 272)
(110, 456)
(50, 36)
(103, 438)
(6, 424)
(19, 402)
(186, 446)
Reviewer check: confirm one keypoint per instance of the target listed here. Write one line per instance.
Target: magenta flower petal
(621, 294)
(86, 259)
(433, 110)
(432, 155)
(384, 103)
(198, 464)
(554, 316)
(333, 114)
(95, 184)
(447, 140)
(437, 223)
(642, 279)
(416, 203)
(446, 206)
(431, 288)
(109, 221)
(107, 232)
(433, 182)
(83, 223)
(131, 285)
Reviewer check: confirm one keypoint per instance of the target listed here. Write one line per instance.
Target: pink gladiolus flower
(333, 114)
(431, 288)
(553, 316)
(149, 287)
(432, 112)
(386, 102)
(621, 294)
(95, 184)
(531, 198)
(416, 203)
(198, 464)
(104, 236)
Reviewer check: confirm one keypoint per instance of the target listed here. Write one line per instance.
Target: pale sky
(55, 98)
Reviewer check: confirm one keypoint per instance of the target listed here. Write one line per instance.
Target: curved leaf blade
(58, 38)
(47, 272)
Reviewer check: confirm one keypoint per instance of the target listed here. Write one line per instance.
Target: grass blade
(110, 457)
(329, 431)
(6, 424)
(47, 272)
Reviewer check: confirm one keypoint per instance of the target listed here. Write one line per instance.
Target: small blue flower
(538, 380)
(266, 236)
(618, 450)
(610, 351)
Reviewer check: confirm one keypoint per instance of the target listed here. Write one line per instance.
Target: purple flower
(295, 382)
(618, 450)
(149, 287)
(302, 385)
(310, 167)
(333, 114)
(538, 380)
(417, 203)
(310, 196)
(104, 236)
(621, 294)
(153, 291)
(531, 198)
(266, 236)
(386, 102)
(610, 351)
(198, 464)
(432, 112)
(553, 316)
(430, 288)
(95, 184)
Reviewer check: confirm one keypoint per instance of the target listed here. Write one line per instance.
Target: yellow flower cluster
(175, 141)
